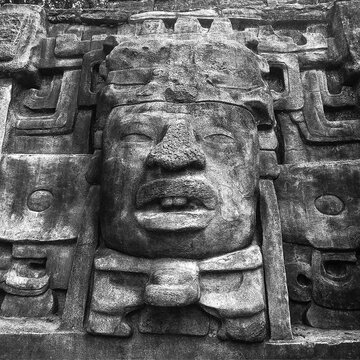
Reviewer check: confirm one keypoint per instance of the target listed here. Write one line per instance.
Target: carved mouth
(23, 281)
(175, 204)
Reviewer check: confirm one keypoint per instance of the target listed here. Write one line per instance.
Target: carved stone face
(321, 241)
(325, 285)
(179, 180)
(336, 279)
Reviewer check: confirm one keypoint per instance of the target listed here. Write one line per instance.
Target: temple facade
(180, 179)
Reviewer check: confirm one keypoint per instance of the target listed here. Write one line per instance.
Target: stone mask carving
(180, 172)
(180, 147)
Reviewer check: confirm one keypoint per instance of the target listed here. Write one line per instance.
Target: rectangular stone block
(316, 207)
(42, 196)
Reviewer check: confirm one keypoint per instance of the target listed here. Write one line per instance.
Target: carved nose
(177, 150)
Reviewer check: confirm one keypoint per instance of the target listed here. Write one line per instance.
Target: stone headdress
(190, 64)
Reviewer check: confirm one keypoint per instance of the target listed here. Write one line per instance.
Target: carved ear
(269, 167)
(264, 115)
(106, 100)
(263, 65)
(268, 143)
(261, 105)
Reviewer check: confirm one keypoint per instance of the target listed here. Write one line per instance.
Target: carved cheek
(236, 181)
(236, 194)
(127, 160)
(131, 167)
(228, 207)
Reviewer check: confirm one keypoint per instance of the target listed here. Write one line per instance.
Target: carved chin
(175, 221)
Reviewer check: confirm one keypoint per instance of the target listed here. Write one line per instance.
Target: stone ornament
(22, 28)
(123, 284)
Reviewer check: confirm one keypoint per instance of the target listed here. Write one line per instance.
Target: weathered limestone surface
(179, 179)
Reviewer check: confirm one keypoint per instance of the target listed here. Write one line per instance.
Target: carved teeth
(176, 202)
(166, 202)
(179, 201)
(169, 202)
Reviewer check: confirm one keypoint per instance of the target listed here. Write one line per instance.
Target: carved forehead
(214, 113)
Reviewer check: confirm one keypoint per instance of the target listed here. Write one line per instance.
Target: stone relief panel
(180, 173)
(321, 241)
(45, 167)
(317, 185)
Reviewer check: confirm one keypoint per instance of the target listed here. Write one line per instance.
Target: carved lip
(25, 286)
(195, 214)
(174, 221)
(186, 187)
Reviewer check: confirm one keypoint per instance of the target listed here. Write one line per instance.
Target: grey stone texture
(180, 179)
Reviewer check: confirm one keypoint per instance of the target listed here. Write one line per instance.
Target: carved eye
(133, 132)
(136, 137)
(220, 137)
(303, 280)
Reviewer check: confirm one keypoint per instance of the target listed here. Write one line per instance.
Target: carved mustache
(185, 187)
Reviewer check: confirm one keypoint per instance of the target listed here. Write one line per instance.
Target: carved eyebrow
(144, 117)
(133, 118)
(216, 129)
(135, 125)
